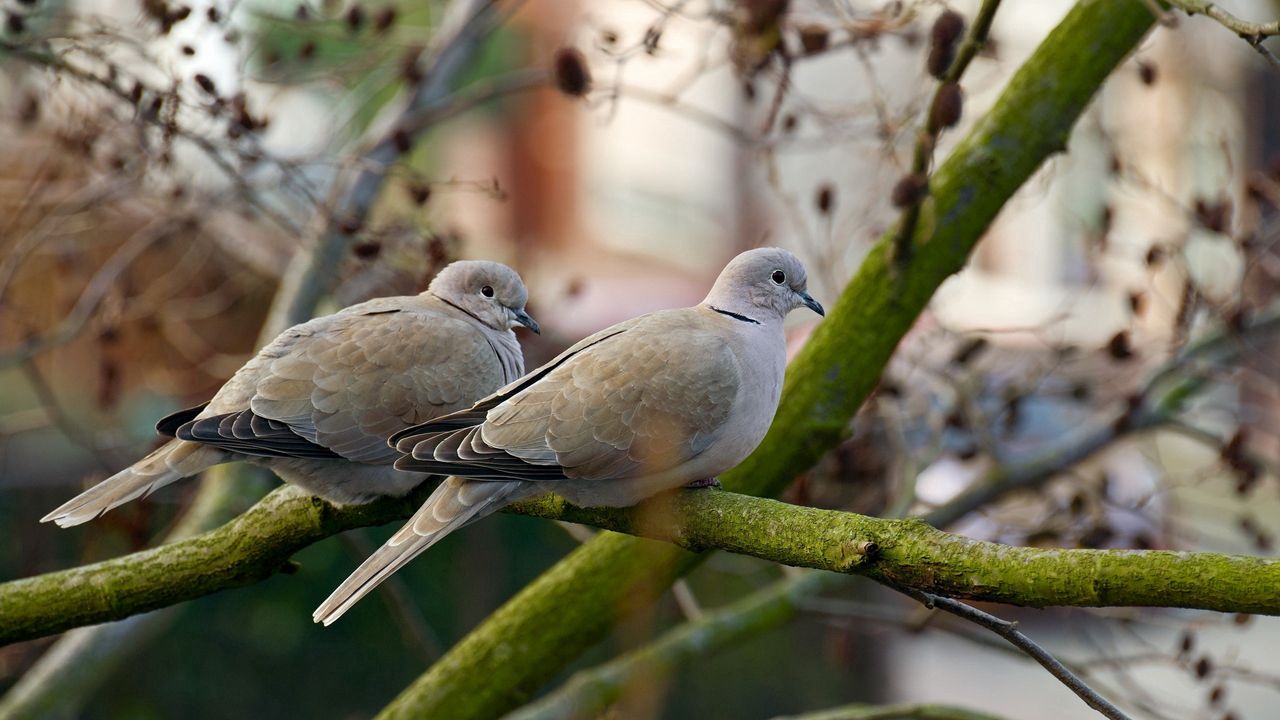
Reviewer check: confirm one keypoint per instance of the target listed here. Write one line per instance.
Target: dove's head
(488, 291)
(766, 283)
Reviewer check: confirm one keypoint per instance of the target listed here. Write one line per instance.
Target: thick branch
(904, 554)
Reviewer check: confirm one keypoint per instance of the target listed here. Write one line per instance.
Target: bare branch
(1251, 32)
(1009, 631)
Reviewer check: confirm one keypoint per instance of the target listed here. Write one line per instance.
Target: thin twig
(927, 140)
(1251, 32)
(1010, 632)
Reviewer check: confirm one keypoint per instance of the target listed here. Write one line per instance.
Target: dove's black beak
(527, 320)
(812, 304)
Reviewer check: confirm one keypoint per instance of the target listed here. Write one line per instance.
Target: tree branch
(1251, 32)
(1009, 631)
(902, 554)
(589, 693)
(927, 139)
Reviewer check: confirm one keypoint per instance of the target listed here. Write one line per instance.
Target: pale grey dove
(661, 401)
(318, 403)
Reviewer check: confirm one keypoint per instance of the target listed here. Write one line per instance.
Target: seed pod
(909, 190)
(402, 141)
(409, 69)
(385, 18)
(205, 83)
(947, 106)
(419, 193)
(350, 225)
(825, 199)
(571, 73)
(366, 250)
(1119, 346)
(940, 58)
(814, 39)
(1146, 73)
(969, 351)
(947, 28)
(355, 18)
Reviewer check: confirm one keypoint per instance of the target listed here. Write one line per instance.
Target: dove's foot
(704, 483)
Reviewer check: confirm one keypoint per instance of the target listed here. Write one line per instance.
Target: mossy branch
(905, 554)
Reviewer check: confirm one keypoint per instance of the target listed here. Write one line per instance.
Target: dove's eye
(778, 277)
(486, 291)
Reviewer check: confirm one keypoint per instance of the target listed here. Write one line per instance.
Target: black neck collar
(461, 309)
(735, 315)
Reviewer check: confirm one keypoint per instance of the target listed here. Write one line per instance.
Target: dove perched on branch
(661, 401)
(319, 402)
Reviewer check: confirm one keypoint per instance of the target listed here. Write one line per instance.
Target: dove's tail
(172, 461)
(454, 503)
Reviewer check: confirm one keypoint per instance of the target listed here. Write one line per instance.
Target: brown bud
(419, 193)
(571, 73)
(187, 50)
(1187, 643)
(366, 250)
(402, 141)
(350, 225)
(947, 106)
(1155, 256)
(1119, 346)
(385, 18)
(16, 24)
(1213, 215)
(939, 60)
(909, 190)
(355, 18)
(29, 113)
(214, 14)
(1146, 73)
(1137, 303)
(205, 83)
(814, 39)
(1203, 667)
(969, 351)
(947, 29)
(825, 199)
(307, 50)
(409, 69)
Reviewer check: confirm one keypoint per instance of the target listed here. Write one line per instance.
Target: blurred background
(165, 164)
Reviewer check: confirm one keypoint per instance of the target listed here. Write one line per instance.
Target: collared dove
(661, 401)
(318, 403)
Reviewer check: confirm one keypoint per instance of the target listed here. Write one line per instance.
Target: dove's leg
(704, 483)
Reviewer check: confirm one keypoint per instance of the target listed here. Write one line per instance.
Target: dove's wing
(644, 399)
(338, 386)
